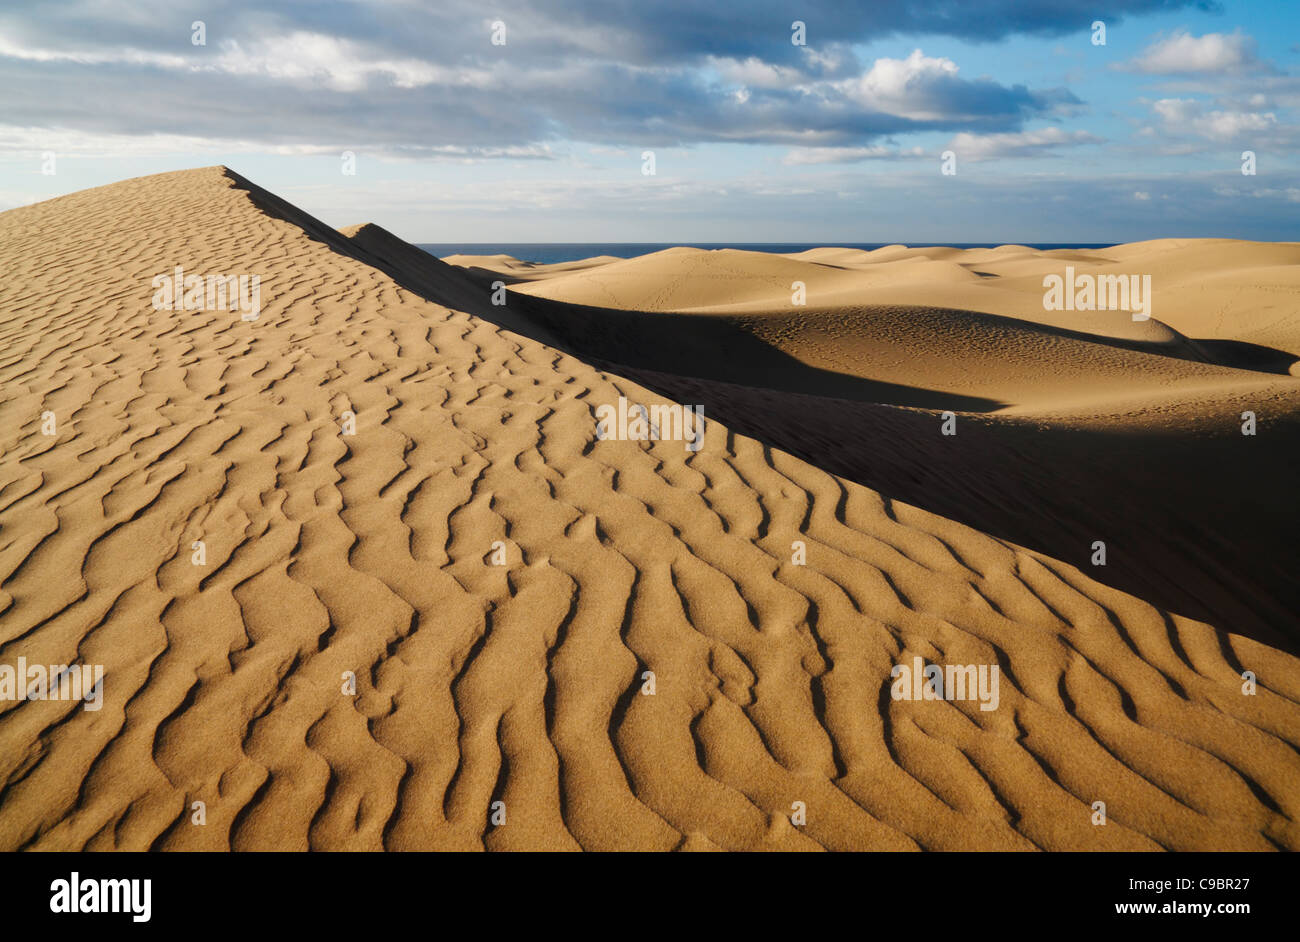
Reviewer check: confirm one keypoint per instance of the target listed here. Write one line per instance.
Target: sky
(786, 121)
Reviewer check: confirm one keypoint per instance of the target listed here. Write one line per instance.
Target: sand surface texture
(521, 683)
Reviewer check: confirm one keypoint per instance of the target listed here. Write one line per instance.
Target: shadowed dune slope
(374, 555)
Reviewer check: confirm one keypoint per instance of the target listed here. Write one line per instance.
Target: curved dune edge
(520, 683)
(1216, 289)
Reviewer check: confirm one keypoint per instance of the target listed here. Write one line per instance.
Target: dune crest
(393, 488)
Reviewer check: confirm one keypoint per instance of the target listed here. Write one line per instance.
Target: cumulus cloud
(1187, 116)
(913, 86)
(929, 89)
(1214, 53)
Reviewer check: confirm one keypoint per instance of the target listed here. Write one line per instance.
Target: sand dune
(515, 271)
(691, 279)
(1208, 288)
(1085, 424)
(475, 444)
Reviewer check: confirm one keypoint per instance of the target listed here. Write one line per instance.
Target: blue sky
(458, 139)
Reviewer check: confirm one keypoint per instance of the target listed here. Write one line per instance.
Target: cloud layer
(411, 78)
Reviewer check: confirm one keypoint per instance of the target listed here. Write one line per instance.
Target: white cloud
(298, 57)
(125, 56)
(902, 86)
(1183, 53)
(1188, 116)
(753, 72)
(1017, 144)
(341, 64)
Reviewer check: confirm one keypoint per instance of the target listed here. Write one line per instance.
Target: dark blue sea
(547, 253)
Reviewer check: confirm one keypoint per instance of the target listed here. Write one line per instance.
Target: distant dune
(562, 641)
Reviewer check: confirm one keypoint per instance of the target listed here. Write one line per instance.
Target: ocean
(547, 253)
